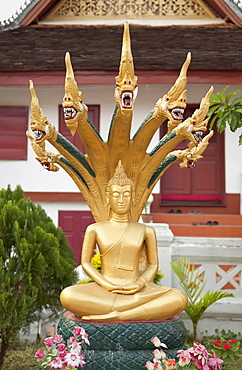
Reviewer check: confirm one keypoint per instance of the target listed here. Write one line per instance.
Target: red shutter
(13, 127)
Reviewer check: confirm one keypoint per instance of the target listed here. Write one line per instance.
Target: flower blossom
(149, 365)
(217, 343)
(56, 364)
(156, 341)
(170, 363)
(73, 359)
(159, 354)
(75, 348)
(184, 359)
(61, 347)
(57, 338)
(39, 353)
(215, 362)
(226, 346)
(85, 338)
(49, 341)
(79, 331)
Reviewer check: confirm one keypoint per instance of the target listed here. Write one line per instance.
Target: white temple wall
(32, 177)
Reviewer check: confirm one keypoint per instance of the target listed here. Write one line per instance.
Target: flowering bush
(61, 356)
(227, 349)
(196, 357)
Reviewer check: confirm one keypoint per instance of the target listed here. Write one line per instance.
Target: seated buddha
(121, 292)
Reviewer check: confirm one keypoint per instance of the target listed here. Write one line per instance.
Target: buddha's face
(120, 198)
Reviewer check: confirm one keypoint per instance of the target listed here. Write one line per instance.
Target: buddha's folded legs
(162, 308)
(92, 302)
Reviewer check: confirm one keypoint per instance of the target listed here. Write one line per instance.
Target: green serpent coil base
(125, 345)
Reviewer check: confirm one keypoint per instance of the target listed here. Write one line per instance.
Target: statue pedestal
(125, 345)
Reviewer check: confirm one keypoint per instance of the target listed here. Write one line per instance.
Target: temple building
(203, 201)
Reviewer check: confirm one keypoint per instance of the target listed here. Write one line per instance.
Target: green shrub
(36, 263)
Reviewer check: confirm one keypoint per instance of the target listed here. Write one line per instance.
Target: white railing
(220, 264)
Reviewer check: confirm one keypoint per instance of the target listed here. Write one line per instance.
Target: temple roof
(34, 11)
(28, 44)
(41, 48)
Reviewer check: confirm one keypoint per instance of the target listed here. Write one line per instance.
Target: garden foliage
(193, 285)
(36, 263)
(225, 113)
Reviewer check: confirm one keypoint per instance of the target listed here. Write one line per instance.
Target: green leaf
(227, 98)
(240, 139)
(233, 124)
(237, 101)
(212, 110)
(211, 122)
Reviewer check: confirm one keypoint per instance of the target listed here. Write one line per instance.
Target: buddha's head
(120, 191)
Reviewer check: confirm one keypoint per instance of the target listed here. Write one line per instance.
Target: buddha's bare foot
(112, 316)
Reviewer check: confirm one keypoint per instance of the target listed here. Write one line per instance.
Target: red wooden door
(203, 184)
(94, 115)
(74, 224)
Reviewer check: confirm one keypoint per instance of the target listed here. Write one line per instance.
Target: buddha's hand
(110, 287)
(131, 288)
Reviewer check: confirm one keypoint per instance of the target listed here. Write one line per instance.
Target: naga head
(72, 102)
(48, 162)
(173, 104)
(194, 127)
(190, 157)
(38, 122)
(126, 90)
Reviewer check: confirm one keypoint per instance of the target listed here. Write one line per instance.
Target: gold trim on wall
(130, 9)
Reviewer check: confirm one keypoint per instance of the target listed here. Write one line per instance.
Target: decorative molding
(130, 9)
(102, 77)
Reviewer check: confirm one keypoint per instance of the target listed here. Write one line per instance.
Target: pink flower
(76, 347)
(159, 353)
(56, 364)
(62, 355)
(79, 331)
(156, 341)
(215, 362)
(39, 354)
(85, 338)
(226, 346)
(61, 347)
(73, 360)
(57, 338)
(49, 341)
(202, 365)
(149, 365)
(170, 363)
(72, 339)
(184, 359)
(233, 341)
(158, 366)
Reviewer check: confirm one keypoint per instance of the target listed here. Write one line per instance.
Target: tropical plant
(36, 263)
(223, 112)
(193, 285)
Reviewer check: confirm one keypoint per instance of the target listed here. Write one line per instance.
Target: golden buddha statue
(121, 292)
(125, 289)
